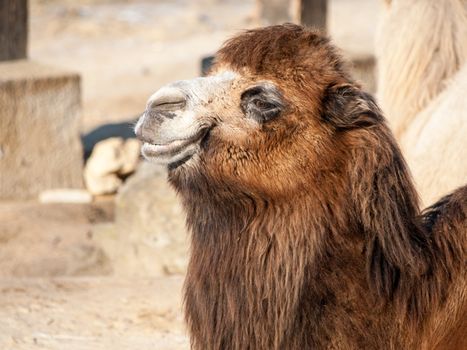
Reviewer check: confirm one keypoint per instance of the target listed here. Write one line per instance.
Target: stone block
(148, 237)
(40, 147)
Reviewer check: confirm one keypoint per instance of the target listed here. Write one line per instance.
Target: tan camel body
(421, 49)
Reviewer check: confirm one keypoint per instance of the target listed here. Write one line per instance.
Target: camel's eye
(262, 103)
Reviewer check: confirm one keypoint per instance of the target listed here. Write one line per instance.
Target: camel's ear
(383, 196)
(346, 106)
(386, 205)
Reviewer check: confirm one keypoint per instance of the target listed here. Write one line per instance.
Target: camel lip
(154, 150)
(169, 152)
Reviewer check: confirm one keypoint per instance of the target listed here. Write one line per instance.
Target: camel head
(273, 108)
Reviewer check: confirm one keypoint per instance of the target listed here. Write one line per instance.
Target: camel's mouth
(174, 151)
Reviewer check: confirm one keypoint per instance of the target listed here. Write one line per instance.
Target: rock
(105, 158)
(130, 157)
(149, 236)
(111, 159)
(99, 185)
(106, 131)
(40, 146)
(65, 195)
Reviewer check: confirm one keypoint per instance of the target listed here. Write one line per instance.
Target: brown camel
(306, 229)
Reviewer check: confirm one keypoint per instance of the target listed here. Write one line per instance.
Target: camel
(422, 71)
(435, 141)
(306, 231)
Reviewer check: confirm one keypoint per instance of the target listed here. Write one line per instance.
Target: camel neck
(248, 277)
(254, 264)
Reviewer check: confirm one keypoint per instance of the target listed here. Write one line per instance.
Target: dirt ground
(91, 313)
(41, 240)
(57, 288)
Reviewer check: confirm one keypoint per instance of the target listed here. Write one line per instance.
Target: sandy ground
(91, 313)
(57, 290)
(39, 240)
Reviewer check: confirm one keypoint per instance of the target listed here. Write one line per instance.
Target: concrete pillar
(40, 146)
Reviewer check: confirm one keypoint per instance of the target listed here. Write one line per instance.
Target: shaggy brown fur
(309, 236)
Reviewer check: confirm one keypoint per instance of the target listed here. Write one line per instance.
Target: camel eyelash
(261, 103)
(264, 105)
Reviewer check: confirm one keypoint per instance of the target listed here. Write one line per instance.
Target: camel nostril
(167, 99)
(167, 105)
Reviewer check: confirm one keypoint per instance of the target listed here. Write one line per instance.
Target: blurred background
(93, 246)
